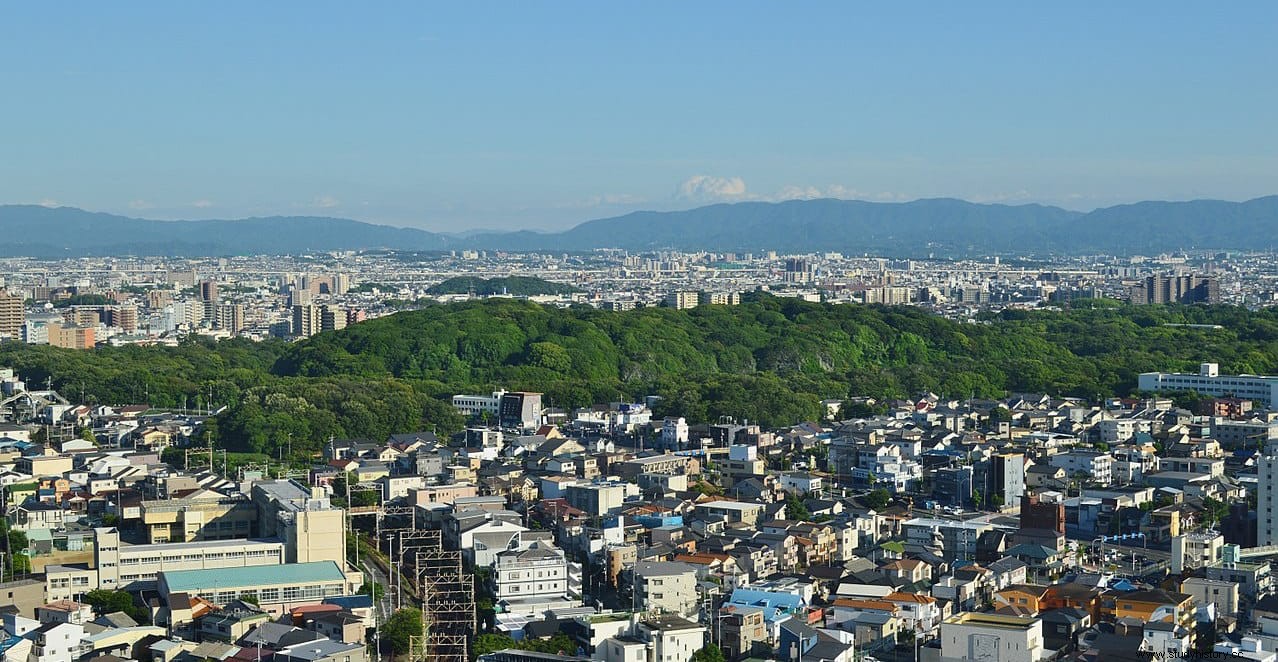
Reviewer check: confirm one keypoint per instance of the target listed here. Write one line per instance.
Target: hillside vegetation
(768, 360)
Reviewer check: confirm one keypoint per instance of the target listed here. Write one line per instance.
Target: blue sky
(545, 114)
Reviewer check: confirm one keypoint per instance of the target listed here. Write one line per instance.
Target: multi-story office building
(1003, 475)
(1209, 381)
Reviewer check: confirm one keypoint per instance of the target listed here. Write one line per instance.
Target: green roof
(191, 581)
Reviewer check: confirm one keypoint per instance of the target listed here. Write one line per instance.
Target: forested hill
(769, 360)
(513, 285)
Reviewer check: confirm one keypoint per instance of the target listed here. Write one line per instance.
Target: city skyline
(459, 119)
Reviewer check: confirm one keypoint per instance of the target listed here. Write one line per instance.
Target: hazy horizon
(142, 215)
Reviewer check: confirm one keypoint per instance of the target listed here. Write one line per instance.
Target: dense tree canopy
(769, 360)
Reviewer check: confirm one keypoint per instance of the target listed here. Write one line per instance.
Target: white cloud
(994, 198)
(202, 204)
(140, 204)
(837, 191)
(324, 202)
(707, 187)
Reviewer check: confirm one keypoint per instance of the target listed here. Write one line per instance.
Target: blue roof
(252, 576)
(773, 603)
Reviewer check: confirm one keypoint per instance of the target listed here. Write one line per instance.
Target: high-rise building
(307, 320)
(230, 317)
(1266, 495)
(123, 317)
(798, 270)
(332, 318)
(681, 300)
(208, 291)
(12, 315)
(1163, 288)
(719, 298)
(341, 284)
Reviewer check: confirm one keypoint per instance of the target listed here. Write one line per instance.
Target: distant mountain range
(944, 227)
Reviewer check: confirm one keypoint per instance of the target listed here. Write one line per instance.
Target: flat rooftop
(253, 576)
(161, 548)
(997, 621)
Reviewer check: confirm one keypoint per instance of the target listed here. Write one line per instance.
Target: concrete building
(205, 515)
(277, 589)
(303, 518)
(674, 432)
(70, 336)
(12, 316)
(307, 320)
(478, 405)
(666, 587)
(1094, 466)
(1223, 594)
(601, 498)
(732, 511)
(682, 300)
(955, 539)
(533, 580)
(520, 410)
(1267, 496)
(119, 566)
(1209, 381)
(991, 637)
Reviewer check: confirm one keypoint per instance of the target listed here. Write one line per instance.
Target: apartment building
(979, 636)
(666, 587)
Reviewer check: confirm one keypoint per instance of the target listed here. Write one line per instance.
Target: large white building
(991, 637)
(535, 579)
(1097, 466)
(1209, 381)
(666, 587)
(476, 405)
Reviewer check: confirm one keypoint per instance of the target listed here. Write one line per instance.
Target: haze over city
(457, 117)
